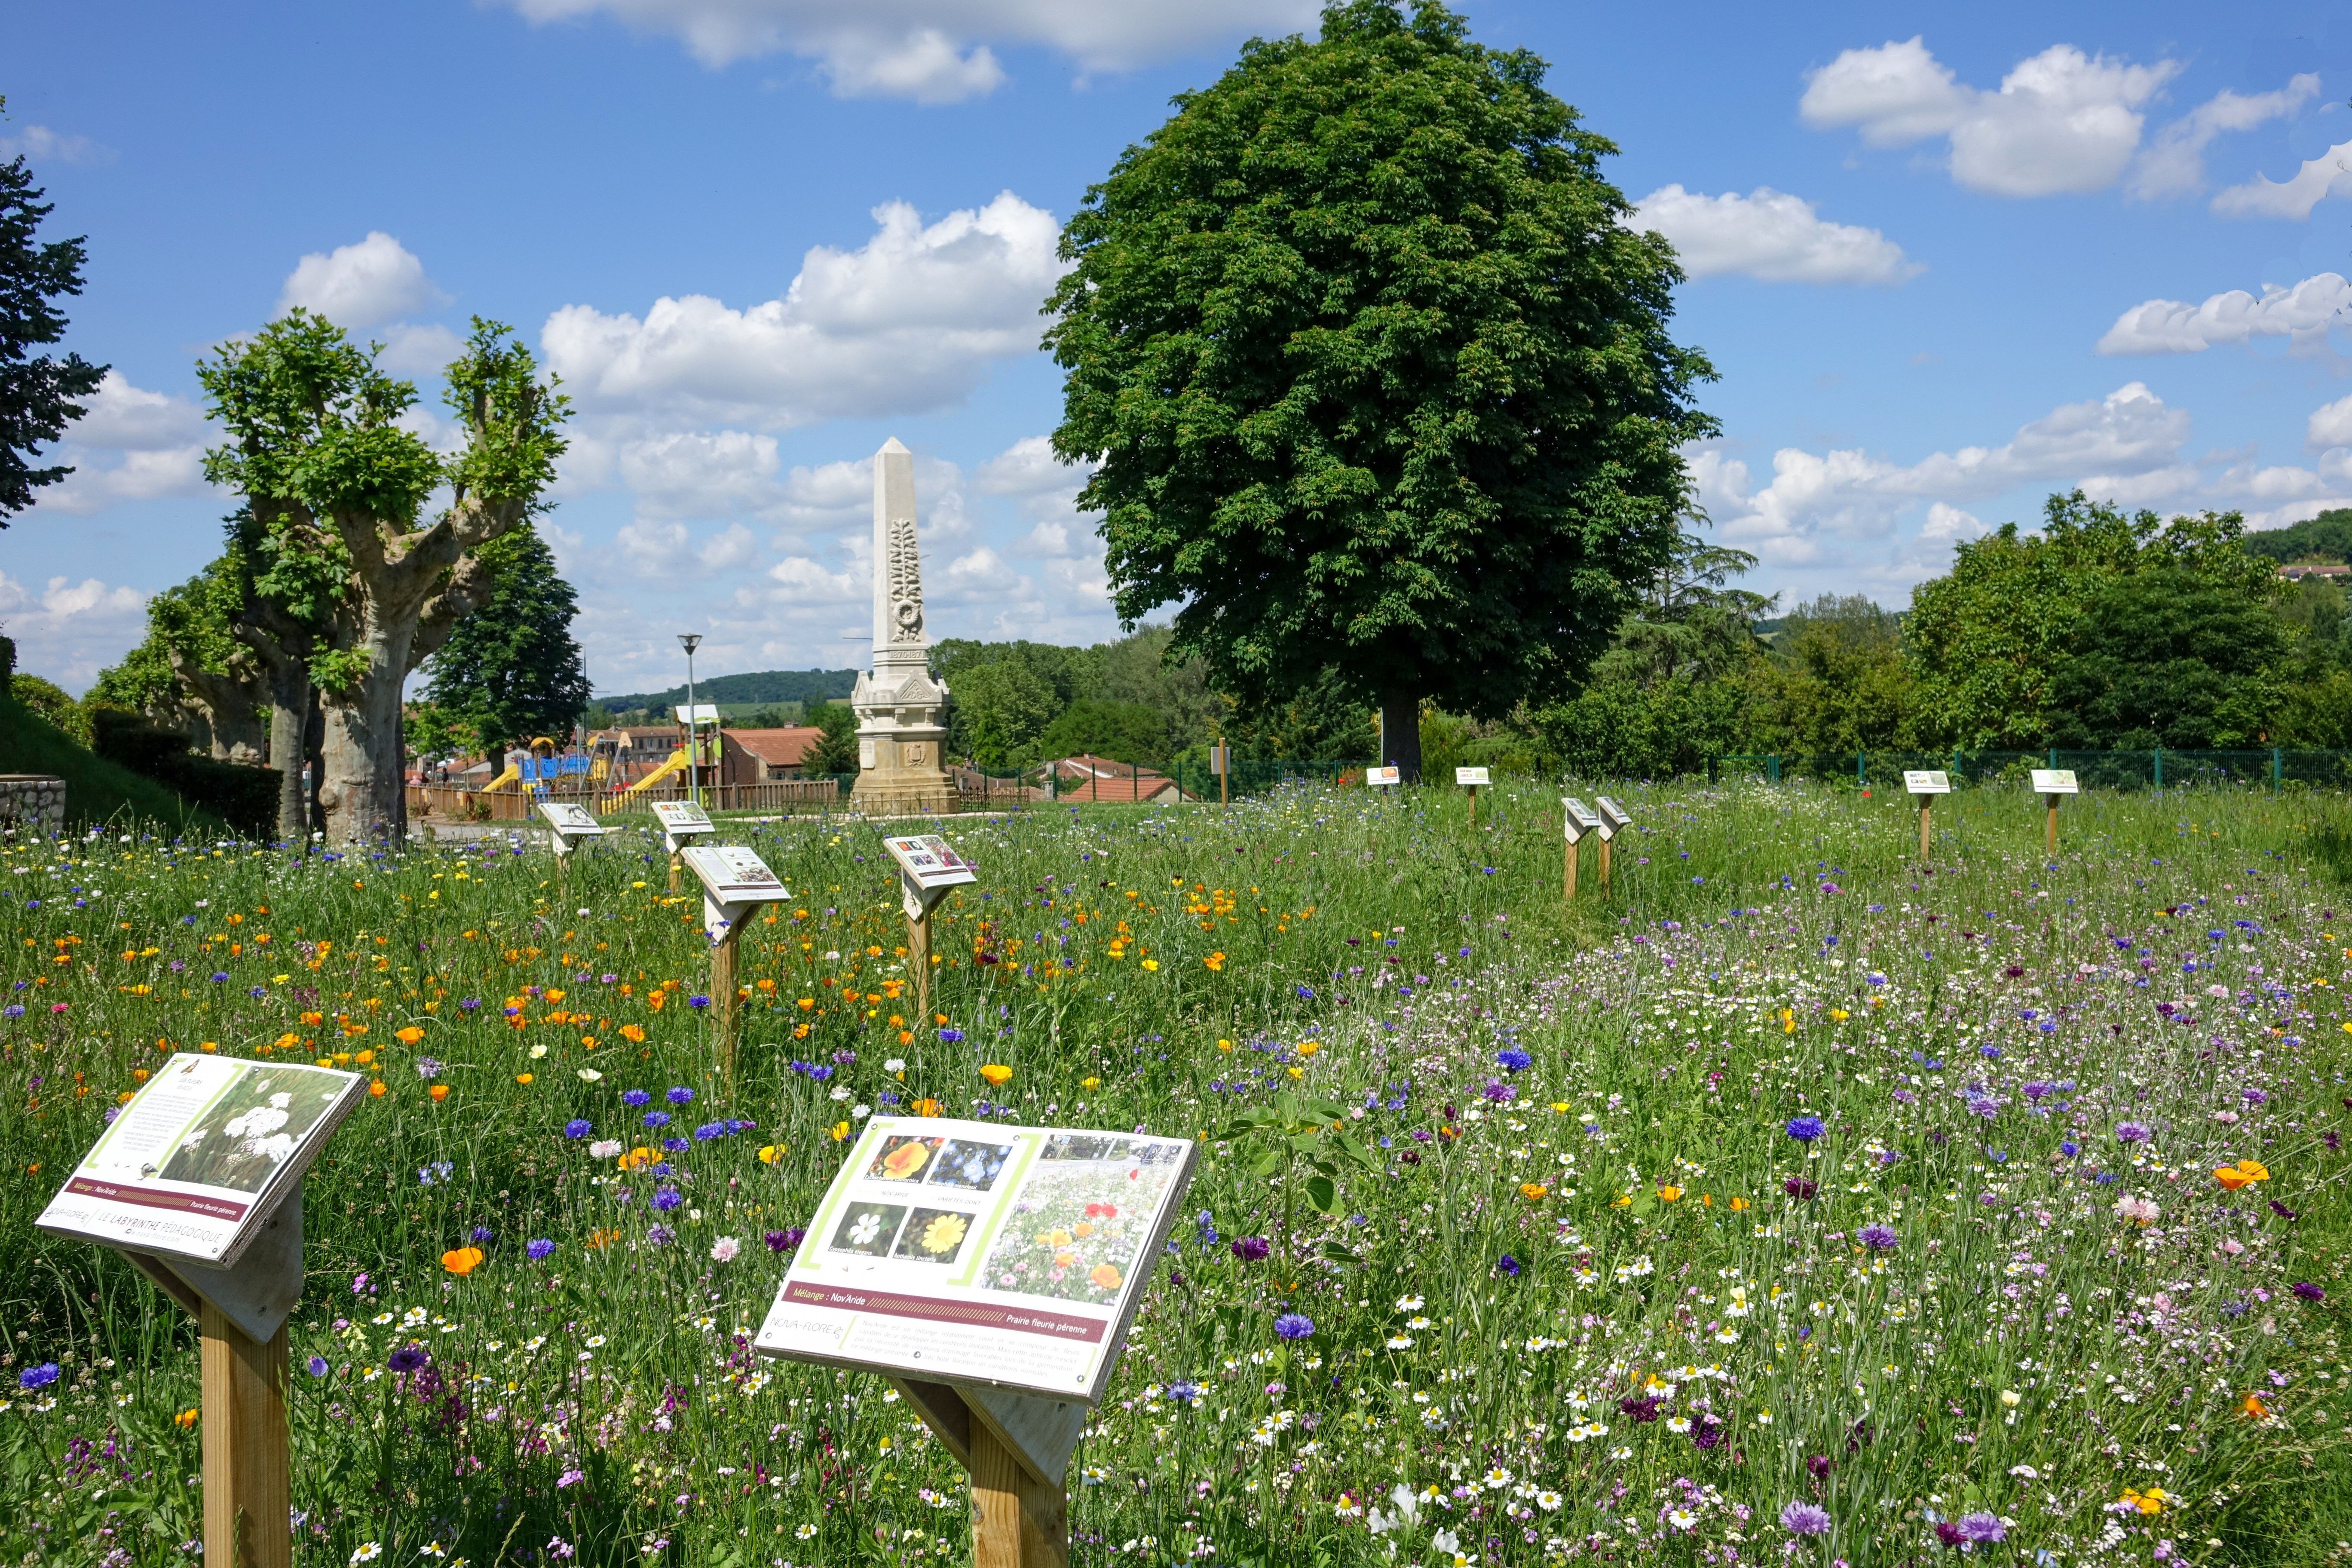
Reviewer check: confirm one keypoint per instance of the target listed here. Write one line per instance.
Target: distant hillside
(2328, 537)
(759, 688)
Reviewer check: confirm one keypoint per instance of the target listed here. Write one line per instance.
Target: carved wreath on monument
(904, 583)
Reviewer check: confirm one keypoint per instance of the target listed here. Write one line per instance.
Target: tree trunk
(361, 788)
(287, 684)
(1400, 731)
(314, 757)
(229, 705)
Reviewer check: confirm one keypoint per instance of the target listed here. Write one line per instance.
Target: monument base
(903, 795)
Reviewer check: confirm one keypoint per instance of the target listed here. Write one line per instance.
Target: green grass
(1672, 1028)
(97, 791)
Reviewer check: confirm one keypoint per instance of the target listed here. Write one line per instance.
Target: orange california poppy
(2232, 1177)
(463, 1260)
(439, 1091)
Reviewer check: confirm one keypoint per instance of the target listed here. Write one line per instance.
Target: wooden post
(918, 957)
(1017, 1521)
(676, 868)
(1568, 883)
(247, 1490)
(723, 996)
(1604, 865)
(2051, 834)
(1473, 805)
(1924, 809)
(1224, 771)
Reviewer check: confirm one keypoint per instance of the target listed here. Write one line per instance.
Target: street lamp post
(690, 641)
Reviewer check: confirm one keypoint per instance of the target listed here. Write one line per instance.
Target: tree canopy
(512, 671)
(1373, 374)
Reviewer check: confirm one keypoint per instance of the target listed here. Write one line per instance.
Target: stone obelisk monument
(902, 729)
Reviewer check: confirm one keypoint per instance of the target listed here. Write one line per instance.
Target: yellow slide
(677, 764)
(503, 780)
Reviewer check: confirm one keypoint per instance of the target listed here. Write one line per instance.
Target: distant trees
(38, 393)
(837, 751)
(1373, 370)
(512, 671)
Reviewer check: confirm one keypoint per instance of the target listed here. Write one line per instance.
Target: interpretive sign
(1927, 782)
(732, 874)
(1580, 819)
(702, 713)
(201, 1154)
(927, 868)
(571, 821)
(2055, 781)
(1613, 817)
(1471, 776)
(1220, 758)
(1381, 777)
(680, 818)
(969, 1252)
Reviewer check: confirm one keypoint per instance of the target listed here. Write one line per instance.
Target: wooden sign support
(1924, 785)
(1017, 1448)
(1613, 817)
(241, 1313)
(1576, 819)
(1603, 866)
(919, 958)
(1471, 778)
(735, 883)
(682, 823)
(2050, 784)
(1927, 806)
(2050, 826)
(927, 868)
(723, 924)
(1221, 763)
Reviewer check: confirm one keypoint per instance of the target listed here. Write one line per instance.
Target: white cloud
(43, 145)
(1769, 235)
(708, 473)
(131, 444)
(410, 350)
(2114, 442)
(1028, 468)
(2061, 122)
(2303, 313)
(1950, 522)
(2319, 178)
(2329, 425)
(67, 631)
(801, 581)
(361, 286)
(2174, 162)
(907, 323)
(931, 50)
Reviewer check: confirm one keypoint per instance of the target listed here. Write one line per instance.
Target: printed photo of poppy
(903, 1159)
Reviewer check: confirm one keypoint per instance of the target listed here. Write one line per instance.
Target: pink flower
(724, 1249)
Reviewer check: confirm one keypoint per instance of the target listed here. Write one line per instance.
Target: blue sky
(1945, 262)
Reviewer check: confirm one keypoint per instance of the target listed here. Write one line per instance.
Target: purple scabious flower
(537, 1249)
(427, 1068)
(1499, 1092)
(633, 1096)
(660, 1235)
(2130, 1132)
(1293, 1326)
(578, 1127)
(1805, 1129)
(680, 1095)
(407, 1358)
(470, 1005)
(2308, 1291)
(2252, 1096)
(1877, 1238)
(1981, 1527)
(1805, 1518)
(1251, 1248)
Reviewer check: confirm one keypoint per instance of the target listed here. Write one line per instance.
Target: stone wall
(36, 800)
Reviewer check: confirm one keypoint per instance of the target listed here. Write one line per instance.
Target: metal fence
(2272, 767)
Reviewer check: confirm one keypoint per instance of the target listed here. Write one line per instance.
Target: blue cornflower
(1293, 1326)
(537, 1249)
(39, 1376)
(1805, 1129)
(656, 1119)
(634, 1097)
(667, 1199)
(951, 1037)
(1513, 1059)
(578, 1127)
(219, 976)
(1508, 1266)
(681, 1096)
(316, 1366)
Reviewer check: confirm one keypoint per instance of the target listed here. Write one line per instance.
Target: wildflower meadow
(1791, 1200)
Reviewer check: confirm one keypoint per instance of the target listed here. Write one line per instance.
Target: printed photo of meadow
(254, 1127)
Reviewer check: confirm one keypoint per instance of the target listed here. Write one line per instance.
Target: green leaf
(1334, 1253)
(1323, 1193)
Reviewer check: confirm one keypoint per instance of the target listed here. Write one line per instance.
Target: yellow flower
(1150, 964)
(1670, 1194)
(996, 1074)
(409, 1035)
(187, 1418)
(840, 1131)
(771, 1154)
(944, 1233)
(523, 1078)
(1532, 1191)
(1216, 962)
(1089, 1083)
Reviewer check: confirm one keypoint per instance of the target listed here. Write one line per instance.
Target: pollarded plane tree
(338, 484)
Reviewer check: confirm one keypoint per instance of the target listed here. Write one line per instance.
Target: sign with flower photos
(971, 1252)
(196, 1162)
(681, 817)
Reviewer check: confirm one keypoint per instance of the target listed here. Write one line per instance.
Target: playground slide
(503, 780)
(677, 764)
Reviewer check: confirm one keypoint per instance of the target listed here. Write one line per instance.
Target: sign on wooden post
(1472, 778)
(1578, 818)
(927, 869)
(1923, 784)
(198, 1183)
(1613, 818)
(1221, 763)
(947, 1256)
(682, 822)
(735, 881)
(569, 825)
(2050, 784)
